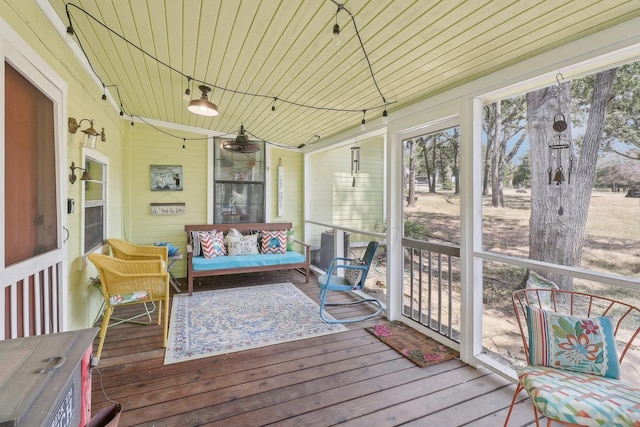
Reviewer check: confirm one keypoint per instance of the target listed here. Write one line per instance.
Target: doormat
(224, 321)
(419, 348)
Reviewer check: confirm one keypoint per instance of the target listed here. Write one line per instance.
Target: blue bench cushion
(242, 261)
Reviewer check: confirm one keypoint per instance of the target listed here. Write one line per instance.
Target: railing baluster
(420, 280)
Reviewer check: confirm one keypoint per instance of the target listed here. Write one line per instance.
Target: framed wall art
(166, 178)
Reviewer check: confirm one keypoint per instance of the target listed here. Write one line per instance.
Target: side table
(172, 279)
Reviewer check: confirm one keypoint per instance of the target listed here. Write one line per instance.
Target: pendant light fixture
(203, 106)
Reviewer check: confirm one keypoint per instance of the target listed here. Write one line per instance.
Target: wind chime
(559, 145)
(355, 164)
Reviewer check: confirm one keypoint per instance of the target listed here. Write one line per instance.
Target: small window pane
(93, 229)
(94, 205)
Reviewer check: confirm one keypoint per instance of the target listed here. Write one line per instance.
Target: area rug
(420, 349)
(224, 321)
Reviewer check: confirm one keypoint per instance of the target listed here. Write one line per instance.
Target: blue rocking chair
(355, 274)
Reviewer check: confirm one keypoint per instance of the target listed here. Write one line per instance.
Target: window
(239, 185)
(560, 166)
(94, 202)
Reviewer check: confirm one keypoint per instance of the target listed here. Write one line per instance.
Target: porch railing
(32, 301)
(431, 286)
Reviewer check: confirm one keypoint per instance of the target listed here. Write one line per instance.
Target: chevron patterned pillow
(273, 242)
(212, 243)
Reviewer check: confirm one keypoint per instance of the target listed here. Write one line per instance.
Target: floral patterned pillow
(581, 344)
(117, 299)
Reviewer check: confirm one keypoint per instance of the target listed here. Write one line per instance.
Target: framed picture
(166, 178)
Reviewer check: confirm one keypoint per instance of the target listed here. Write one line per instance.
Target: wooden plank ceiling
(260, 53)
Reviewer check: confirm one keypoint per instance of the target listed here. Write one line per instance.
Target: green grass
(612, 237)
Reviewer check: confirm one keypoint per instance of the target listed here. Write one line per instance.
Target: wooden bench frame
(244, 228)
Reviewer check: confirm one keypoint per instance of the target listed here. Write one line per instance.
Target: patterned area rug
(420, 349)
(224, 321)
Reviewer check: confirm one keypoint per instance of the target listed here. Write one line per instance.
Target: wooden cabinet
(45, 380)
(239, 185)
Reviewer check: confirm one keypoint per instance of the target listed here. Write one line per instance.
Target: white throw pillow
(242, 245)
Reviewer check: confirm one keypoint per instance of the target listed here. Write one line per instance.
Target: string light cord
(231, 134)
(384, 104)
(364, 51)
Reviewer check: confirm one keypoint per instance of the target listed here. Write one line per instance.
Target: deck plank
(348, 378)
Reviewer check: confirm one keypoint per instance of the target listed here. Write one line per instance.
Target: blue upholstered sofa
(199, 266)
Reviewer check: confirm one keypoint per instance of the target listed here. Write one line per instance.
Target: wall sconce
(73, 177)
(90, 134)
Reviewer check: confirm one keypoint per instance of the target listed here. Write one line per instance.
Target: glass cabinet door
(239, 185)
(239, 202)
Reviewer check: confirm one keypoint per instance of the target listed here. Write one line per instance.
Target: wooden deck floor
(348, 378)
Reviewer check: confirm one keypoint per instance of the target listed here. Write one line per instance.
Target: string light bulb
(385, 116)
(104, 93)
(363, 123)
(69, 36)
(336, 29)
(273, 106)
(336, 34)
(187, 92)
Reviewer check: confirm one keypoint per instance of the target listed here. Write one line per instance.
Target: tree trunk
(497, 199)
(443, 169)
(559, 210)
(456, 169)
(411, 197)
(490, 128)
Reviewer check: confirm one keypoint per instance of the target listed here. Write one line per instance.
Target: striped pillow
(195, 243)
(581, 344)
(273, 242)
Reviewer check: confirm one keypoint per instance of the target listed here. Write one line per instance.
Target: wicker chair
(131, 282)
(130, 251)
(574, 344)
